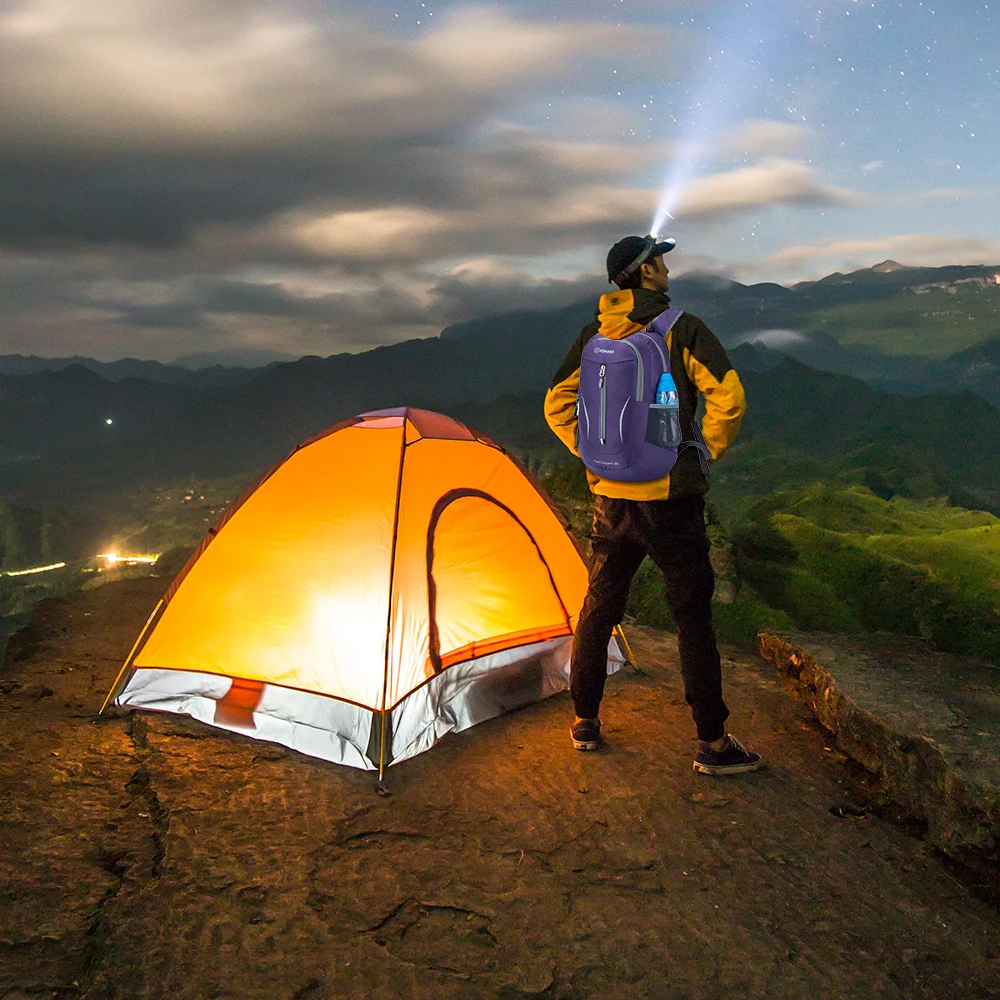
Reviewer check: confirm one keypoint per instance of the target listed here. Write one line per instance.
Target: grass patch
(847, 561)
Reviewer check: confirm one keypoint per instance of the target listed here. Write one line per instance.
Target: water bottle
(666, 391)
(664, 425)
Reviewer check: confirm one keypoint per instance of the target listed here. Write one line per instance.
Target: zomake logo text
(602, 350)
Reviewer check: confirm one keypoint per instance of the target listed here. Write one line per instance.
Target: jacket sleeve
(560, 400)
(725, 401)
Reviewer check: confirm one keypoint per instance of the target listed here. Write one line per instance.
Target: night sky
(242, 180)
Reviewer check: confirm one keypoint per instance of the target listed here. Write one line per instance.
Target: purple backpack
(621, 432)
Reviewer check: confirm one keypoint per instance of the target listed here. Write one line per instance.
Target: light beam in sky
(717, 97)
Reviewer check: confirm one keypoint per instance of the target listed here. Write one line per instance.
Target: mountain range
(79, 427)
(208, 377)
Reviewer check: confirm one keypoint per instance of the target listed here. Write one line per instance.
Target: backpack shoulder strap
(704, 455)
(664, 323)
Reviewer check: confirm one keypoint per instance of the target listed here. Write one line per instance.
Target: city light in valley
(34, 569)
(113, 559)
(110, 560)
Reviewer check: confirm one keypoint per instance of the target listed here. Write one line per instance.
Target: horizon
(245, 358)
(312, 179)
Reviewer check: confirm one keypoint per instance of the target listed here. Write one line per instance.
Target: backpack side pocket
(663, 426)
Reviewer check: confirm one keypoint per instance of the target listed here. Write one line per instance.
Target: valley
(845, 413)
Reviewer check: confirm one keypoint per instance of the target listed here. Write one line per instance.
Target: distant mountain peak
(887, 267)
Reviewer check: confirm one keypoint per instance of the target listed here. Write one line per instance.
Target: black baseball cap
(629, 254)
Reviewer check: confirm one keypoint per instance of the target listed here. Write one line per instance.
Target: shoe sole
(586, 744)
(728, 768)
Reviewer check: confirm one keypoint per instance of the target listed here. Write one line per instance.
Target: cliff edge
(925, 724)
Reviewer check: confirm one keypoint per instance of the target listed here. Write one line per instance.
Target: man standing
(662, 518)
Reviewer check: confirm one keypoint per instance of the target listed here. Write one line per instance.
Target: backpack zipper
(604, 404)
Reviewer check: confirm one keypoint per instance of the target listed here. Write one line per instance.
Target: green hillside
(965, 559)
(845, 560)
(934, 324)
(920, 311)
(804, 426)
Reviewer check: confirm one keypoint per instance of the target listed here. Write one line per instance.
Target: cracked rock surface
(149, 856)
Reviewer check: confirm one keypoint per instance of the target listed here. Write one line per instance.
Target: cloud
(923, 249)
(317, 282)
(180, 176)
(194, 74)
(774, 182)
(141, 122)
(480, 48)
(65, 309)
(872, 166)
(516, 209)
(765, 137)
(530, 196)
(490, 285)
(186, 176)
(402, 232)
(775, 338)
(811, 261)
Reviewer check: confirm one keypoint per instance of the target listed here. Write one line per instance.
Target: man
(662, 518)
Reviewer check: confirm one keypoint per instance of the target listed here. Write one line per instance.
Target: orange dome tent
(395, 578)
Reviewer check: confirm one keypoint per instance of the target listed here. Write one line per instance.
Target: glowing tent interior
(395, 578)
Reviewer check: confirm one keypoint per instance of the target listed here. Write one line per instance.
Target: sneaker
(733, 758)
(586, 734)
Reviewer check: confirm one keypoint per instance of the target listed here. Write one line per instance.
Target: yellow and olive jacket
(698, 363)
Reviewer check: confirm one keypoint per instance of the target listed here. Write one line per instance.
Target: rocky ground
(153, 857)
(924, 725)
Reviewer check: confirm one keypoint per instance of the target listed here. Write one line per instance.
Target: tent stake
(626, 648)
(380, 784)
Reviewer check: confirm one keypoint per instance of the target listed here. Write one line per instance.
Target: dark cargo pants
(672, 533)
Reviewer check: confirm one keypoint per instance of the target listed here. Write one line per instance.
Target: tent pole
(381, 749)
(392, 582)
(131, 655)
(626, 648)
